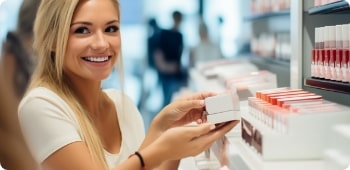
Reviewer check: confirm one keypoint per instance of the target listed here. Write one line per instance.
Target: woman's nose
(99, 42)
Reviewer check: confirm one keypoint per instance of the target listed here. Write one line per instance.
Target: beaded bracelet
(143, 167)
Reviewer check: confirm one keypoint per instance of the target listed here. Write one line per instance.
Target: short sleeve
(47, 124)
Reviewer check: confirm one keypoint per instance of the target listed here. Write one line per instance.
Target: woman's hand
(184, 141)
(182, 111)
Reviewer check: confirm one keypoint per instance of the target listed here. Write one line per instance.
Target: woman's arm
(173, 144)
(165, 142)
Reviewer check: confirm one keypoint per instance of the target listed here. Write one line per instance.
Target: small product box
(222, 108)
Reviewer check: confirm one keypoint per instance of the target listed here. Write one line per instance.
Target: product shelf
(278, 66)
(270, 60)
(336, 7)
(328, 85)
(267, 15)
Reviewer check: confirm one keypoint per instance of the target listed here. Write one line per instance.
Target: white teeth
(97, 59)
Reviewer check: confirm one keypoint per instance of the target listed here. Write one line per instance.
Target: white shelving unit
(304, 18)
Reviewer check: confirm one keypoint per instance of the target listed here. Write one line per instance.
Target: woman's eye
(112, 29)
(82, 30)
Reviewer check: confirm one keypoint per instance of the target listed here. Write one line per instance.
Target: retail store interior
(287, 61)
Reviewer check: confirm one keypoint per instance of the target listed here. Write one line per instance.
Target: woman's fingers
(187, 105)
(204, 135)
(219, 131)
(193, 139)
(179, 109)
(202, 129)
(210, 130)
(199, 96)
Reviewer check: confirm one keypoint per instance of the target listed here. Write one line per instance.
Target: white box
(222, 108)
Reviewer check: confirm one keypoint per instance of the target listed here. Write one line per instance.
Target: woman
(70, 123)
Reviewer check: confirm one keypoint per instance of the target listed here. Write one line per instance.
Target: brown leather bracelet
(143, 167)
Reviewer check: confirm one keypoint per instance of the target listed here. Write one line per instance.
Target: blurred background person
(206, 49)
(150, 80)
(17, 59)
(153, 32)
(16, 65)
(149, 70)
(168, 58)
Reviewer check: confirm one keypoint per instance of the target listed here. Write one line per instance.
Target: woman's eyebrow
(81, 22)
(113, 21)
(89, 23)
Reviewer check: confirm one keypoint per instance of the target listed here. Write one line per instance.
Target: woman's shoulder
(41, 94)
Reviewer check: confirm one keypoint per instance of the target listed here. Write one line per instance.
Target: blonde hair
(51, 31)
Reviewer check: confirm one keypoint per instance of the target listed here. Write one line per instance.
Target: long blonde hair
(51, 31)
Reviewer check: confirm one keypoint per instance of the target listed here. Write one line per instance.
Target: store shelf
(328, 85)
(336, 7)
(270, 60)
(280, 67)
(267, 15)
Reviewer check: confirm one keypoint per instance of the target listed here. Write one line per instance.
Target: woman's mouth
(97, 59)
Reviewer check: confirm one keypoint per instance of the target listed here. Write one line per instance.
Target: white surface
(254, 162)
(219, 103)
(223, 117)
(251, 160)
(188, 164)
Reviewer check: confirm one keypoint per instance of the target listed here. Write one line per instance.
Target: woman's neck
(90, 94)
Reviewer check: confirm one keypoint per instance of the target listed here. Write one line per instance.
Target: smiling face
(94, 40)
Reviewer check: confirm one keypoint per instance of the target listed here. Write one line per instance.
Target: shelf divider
(269, 60)
(327, 85)
(267, 15)
(336, 7)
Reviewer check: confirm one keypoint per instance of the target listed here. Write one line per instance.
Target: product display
(324, 2)
(280, 120)
(300, 126)
(238, 75)
(330, 57)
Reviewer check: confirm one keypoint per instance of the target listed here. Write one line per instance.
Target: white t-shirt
(48, 124)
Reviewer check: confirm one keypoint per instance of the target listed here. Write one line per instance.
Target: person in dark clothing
(153, 32)
(168, 58)
(152, 41)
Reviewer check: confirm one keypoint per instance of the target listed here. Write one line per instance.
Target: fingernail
(212, 127)
(201, 102)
